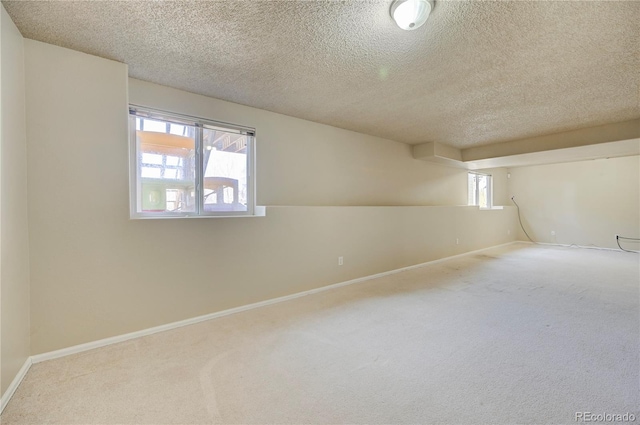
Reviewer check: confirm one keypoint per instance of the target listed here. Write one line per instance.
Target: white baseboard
(15, 383)
(144, 332)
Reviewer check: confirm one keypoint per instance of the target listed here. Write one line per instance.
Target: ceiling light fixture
(411, 14)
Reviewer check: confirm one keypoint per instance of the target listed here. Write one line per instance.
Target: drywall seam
(15, 383)
(150, 331)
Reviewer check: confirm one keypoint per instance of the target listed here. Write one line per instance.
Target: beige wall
(500, 189)
(14, 246)
(585, 203)
(96, 274)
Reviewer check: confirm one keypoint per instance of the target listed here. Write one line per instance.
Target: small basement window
(480, 190)
(184, 166)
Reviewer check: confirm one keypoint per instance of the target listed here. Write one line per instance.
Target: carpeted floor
(517, 334)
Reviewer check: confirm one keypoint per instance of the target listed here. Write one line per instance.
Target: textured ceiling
(477, 73)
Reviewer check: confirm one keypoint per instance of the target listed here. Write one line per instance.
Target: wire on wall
(520, 220)
(626, 239)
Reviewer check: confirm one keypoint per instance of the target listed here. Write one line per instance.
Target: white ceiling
(477, 73)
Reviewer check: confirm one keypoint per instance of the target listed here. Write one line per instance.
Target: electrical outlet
(553, 233)
(508, 232)
(340, 261)
(457, 241)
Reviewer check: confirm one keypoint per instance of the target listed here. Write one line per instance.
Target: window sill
(491, 208)
(259, 211)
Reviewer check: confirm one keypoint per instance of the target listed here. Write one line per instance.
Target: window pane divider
(199, 177)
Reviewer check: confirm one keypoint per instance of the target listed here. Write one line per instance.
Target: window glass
(225, 171)
(184, 166)
(166, 164)
(479, 190)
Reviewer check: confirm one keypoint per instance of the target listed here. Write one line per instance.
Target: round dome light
(411, 14)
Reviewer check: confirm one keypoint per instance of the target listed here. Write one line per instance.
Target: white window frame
(200, 124)
(489, 190)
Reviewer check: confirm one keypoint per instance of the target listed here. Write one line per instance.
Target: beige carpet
(519, 334)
